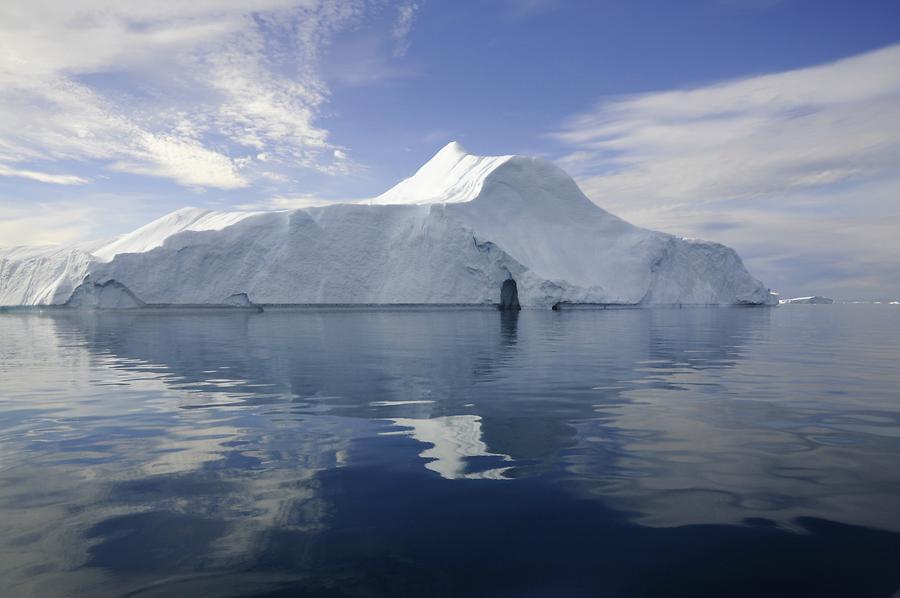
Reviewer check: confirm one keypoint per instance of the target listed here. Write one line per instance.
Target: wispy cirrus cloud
(70, 220)
(750, 160)
(192, 92)
(743, 138)
(402, 27)
(42, 177)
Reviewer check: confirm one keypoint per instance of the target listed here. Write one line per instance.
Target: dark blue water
(722, 452)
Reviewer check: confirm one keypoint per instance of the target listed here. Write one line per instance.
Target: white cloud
(752, 159)
(42, 225)
(85, 215)
(402, 27)
(745, 137)
(183, 161)
(42, 177)
(180, 90)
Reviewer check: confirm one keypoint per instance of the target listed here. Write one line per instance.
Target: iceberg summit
(453, 233)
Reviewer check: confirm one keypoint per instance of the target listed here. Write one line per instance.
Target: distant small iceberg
(815, 299)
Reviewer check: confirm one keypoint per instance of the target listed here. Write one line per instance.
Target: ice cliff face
(451, 233)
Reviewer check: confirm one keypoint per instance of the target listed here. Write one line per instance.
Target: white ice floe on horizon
(812, 299)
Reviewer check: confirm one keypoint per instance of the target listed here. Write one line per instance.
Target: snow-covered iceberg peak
(452, 176)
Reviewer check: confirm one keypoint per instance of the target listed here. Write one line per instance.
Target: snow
(451, 176)
(449, 234)
(41, 275)
(154, 234)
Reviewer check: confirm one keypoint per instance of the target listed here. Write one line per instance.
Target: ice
(450, 234)
(816, 299)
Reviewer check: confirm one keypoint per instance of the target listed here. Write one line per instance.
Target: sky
(772, 126)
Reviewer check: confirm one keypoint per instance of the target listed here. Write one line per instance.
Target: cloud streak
(42, 177)
(191, 92)
(402, 28)
(753, 159)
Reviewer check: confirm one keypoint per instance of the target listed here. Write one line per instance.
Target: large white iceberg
(450, 234)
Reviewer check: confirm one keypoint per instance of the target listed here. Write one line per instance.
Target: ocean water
(659, 452)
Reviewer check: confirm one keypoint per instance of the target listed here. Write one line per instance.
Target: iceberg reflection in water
(650, 452)
(454, 440)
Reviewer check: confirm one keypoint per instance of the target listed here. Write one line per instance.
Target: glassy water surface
(739, 452)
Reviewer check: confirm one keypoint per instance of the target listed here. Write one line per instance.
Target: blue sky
(769, 125)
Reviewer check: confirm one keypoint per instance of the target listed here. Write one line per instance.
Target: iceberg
(815, 299)
(455, 232)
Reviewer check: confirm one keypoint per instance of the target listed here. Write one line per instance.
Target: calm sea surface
(666, 452)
